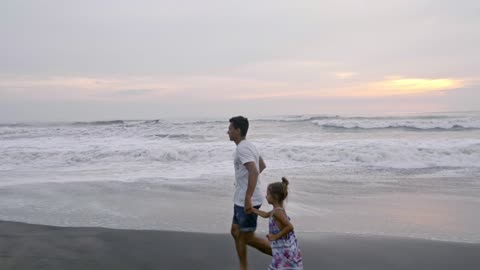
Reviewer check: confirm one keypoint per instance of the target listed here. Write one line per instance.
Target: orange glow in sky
(401, 86)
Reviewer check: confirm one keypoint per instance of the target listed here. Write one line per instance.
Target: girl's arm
(262, 213)
(284, 225)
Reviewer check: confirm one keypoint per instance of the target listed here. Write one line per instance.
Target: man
(248, 166)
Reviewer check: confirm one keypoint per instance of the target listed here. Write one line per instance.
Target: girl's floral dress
(285, 252)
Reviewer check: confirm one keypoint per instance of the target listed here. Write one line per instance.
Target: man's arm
(262, 165)
(252, 183)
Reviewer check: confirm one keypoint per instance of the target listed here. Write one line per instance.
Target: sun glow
(401, 86)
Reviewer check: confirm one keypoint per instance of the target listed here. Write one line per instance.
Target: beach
(26, 246)
(132, 132)
(365, 193)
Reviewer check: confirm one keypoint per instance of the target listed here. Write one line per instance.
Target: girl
(285, 251)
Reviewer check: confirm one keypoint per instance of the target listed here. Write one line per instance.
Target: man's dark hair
(241, 123)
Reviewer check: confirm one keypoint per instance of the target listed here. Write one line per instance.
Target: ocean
(410, 175)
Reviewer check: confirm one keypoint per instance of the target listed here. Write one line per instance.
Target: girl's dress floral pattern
(285, 252)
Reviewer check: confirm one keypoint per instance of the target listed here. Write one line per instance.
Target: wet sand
(28, 246)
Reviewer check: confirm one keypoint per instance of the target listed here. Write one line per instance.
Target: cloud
(82, 88)
(344, 75)
(134, 92)
(218, 87)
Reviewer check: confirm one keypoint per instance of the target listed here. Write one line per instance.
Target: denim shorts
(247, 222)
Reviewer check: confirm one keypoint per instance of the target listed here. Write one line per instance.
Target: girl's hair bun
(285, 181)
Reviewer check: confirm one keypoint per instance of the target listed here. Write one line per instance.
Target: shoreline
(30, 246)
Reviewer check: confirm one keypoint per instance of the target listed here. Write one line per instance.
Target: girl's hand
(272, 237)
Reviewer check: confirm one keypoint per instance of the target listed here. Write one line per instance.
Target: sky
(64, 60)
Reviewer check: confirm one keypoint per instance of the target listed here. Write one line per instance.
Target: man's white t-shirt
(246, 152)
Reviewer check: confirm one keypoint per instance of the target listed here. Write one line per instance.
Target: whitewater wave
(38, 157)
(295, 118)
(414, 122)
(388, 153)
(180, 136)
(289, 142)
(410, 128)
(411, 124)
(100, 123)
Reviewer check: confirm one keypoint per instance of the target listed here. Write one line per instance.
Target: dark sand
(25, 246)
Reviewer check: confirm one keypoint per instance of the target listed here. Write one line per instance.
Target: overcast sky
(97, 60)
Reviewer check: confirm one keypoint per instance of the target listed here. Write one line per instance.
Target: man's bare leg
(261, 244)
(240, 245)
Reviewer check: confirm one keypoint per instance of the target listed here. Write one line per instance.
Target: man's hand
(248, 206)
